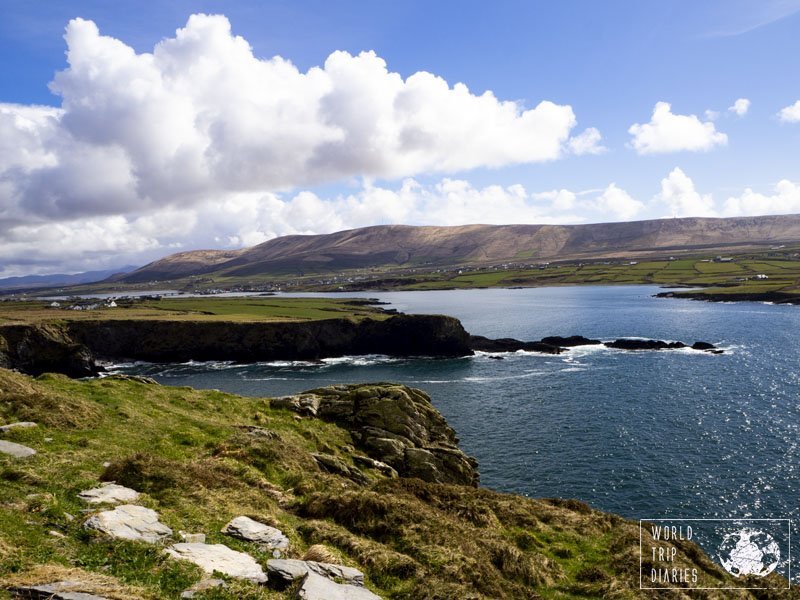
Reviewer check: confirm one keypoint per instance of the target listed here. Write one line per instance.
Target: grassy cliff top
(248, 309)
(198, 465)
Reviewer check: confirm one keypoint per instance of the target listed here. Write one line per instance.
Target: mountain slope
(32, 281)
(409, 246)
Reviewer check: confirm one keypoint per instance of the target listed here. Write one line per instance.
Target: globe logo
(749, 552)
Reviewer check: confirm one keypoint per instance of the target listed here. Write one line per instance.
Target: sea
(675, 434)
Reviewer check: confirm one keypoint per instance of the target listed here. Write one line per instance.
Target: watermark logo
(749, 549)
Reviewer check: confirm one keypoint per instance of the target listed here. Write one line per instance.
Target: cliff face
(71, 347)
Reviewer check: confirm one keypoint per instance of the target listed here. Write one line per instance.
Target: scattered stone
(334, 464)
(48, 439)
(193, 538)
(109, 493)
(220, 558)
(203, 586)
(20, 425)
(250, 530)
(130, 522)
(55, 533)
(59, 590)
(69, 517)
(288, 570)
(106, 464)
(16, 450)
(316, 587)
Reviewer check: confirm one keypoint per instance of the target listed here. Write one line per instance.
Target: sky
(132, 130)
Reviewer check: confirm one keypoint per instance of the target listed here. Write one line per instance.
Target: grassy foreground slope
(187, 452)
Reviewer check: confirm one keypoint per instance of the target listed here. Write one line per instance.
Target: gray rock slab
(219, 558)
(109, 493)
(130, 522)
(250, 530)
(15, 450)
(317, 587)
(289, 569)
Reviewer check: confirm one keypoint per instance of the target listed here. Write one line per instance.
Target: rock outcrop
(59, 590)
(72, 348)
(393, 424)
(484, 344)
(37, 349)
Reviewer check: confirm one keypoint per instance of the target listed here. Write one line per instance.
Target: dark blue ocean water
(646, 435)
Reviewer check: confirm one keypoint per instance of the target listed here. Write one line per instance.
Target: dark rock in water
(395, 425)
(703, 346)
(569, 342)
(484, 344)
(635, 344)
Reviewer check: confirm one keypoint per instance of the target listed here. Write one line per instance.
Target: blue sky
(610, 61)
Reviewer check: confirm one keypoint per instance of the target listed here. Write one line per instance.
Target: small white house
(762, 276)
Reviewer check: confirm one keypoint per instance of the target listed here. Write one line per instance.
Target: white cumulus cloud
(201, 115)
(785, 199)
(790, 114)
(618, 203)
(682, 199)
(668, 132)
(740, 107)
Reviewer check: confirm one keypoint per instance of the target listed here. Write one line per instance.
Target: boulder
(317, 587)
(219, 558)
(109, 493)
(20, 425)
(130, 522)
(706, 347)
(15, 450)
(250, 530)
(389, 423)
(59, 590)
(284, 571)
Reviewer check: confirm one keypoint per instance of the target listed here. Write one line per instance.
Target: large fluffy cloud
(668, 132)
(201, 116)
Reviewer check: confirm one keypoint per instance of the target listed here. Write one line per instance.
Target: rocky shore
(75, 347)
(773, 297)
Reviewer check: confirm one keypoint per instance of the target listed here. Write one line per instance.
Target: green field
(206, 308)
